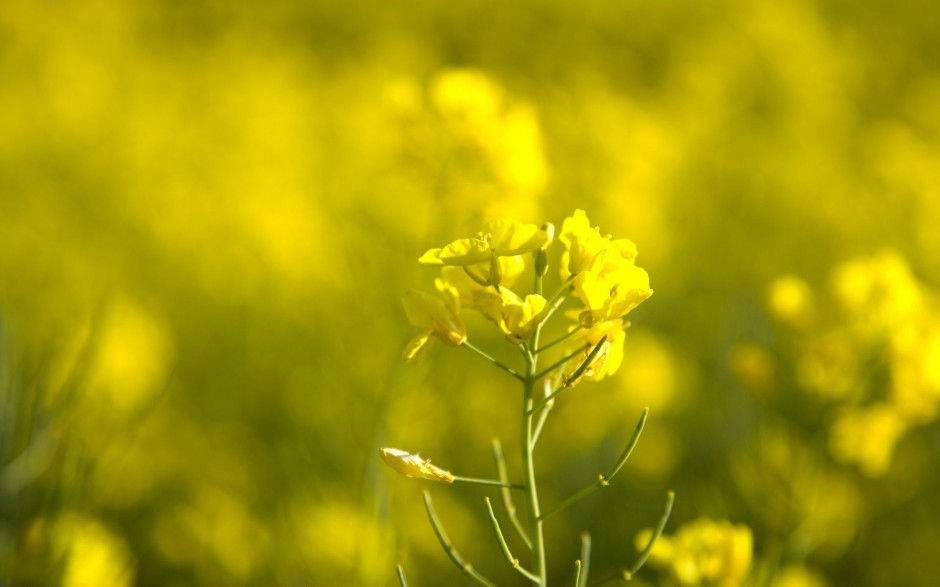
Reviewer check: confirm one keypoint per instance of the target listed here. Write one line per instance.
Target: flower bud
(414, 466)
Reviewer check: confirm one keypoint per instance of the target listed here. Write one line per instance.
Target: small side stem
(627, 574)
(657, 532)
(560, 339)
(505, 547)
(585, 560)
(562, 361)
(508, 504)
(604, 480)
(401, 576)
(449, 548)
(543, 416)
(490, 482)
(601, 482)
(576, 375)
(491, 359)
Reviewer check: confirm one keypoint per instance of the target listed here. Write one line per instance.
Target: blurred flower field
(210, 212)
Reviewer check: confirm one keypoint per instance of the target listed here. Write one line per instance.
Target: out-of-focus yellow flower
(790, 300)
(440, 316)
(516, 317)
(754, 366)
(94, 557)
(703, 552)
(500, 238)
(882, 287)
(414, 466)
(799, 576)
(867, 437)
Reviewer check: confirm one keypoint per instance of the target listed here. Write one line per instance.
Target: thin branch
(507, 496)
(449, 548)
(627, 574)
(505, 547)
(560, 339)
(489, 358)
(401, 576)
(562, 361)
(603, 480)
(630, 445)
(585, 567)
(490, 482)
(577, 573)
(641, 560)
(543, 416)
(574, 377)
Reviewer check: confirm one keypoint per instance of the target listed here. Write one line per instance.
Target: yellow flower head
(611, 295)
(441, 318)
(516, 317)
(414, 466)
(606, 279)
(867, 437)
(500, 238)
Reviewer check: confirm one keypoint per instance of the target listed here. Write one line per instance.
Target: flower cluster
(873, 362)
(477, 273)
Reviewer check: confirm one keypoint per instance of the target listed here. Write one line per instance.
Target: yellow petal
(442, 317)
(417, 348)
(509, 237)
(465, 251)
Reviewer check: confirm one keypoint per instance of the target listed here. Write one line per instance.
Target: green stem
(670, 498)
(630, 445)
(449, 548)
(560, 339)
(577, 573)
(574, 377)
(543, 416)
(508, 504)
(489, 358)
(505, 547)
(528, 463)
(604, 480)
(585, 560)
(401, 576)
(601, 482)
(491, 482)
(562, 361)
(627, 574)
(561, 289)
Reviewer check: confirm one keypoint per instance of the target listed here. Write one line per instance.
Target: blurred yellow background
(209, 212)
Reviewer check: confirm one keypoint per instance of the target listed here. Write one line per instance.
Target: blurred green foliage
(209, 212)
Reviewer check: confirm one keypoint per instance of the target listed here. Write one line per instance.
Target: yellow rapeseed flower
(606, 278)
(441, 318)
(500, 238)
(516, 317)
(611, 295)
(414, 466)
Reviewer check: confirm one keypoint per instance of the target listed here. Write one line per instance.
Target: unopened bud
(414, 466)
